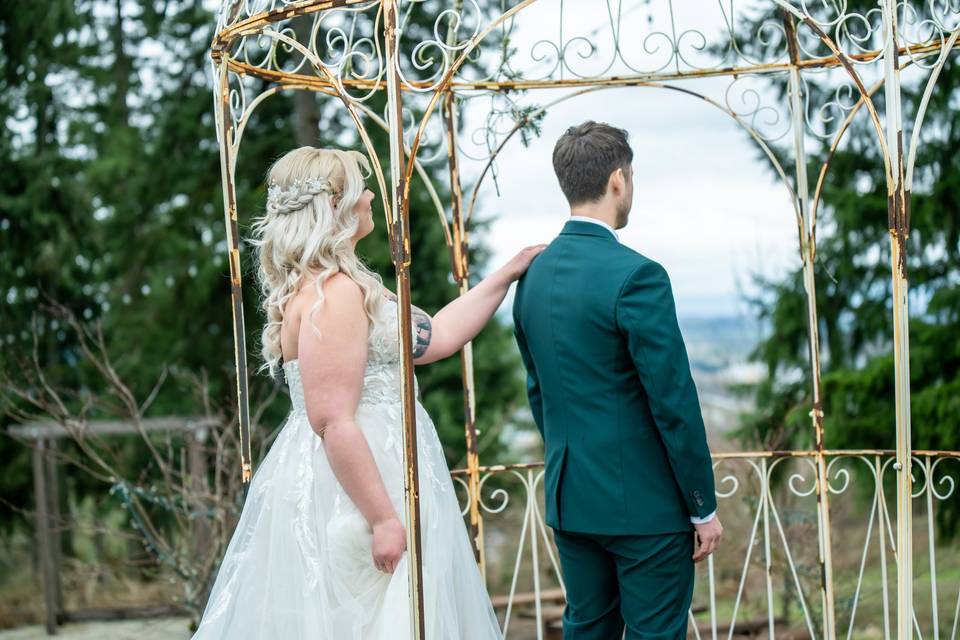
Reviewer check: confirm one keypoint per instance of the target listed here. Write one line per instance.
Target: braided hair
(306, 231)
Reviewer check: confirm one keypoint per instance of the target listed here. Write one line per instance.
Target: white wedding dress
(299, 565)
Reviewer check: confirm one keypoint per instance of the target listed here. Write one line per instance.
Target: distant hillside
(718, 342)
(718, 348)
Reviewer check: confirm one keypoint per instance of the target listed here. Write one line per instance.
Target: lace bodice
(381, 379)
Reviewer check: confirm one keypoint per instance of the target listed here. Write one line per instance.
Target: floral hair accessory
(296, 195)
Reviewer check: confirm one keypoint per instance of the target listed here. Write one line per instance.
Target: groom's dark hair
(585, 156)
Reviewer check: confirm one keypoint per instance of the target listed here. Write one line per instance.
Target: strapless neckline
(295, 362)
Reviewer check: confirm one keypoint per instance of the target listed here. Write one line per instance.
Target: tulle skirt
(299, 564)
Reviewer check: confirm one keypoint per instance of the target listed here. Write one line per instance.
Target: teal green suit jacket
(610, 389)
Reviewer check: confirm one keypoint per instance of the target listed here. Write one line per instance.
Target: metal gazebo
(351, 50)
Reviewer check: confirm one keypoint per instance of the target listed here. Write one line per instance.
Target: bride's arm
(331, 369)
(462, 319)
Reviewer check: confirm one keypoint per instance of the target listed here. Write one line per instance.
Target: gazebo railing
(767, 576)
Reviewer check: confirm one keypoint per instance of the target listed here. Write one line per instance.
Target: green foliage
(854, 300)
(111, 204)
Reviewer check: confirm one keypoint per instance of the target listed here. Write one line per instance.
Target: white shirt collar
(595, 221)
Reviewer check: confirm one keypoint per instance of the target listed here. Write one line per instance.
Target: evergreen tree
(111, 204)
(853, 279)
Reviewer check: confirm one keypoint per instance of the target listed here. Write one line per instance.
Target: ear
(618, 178)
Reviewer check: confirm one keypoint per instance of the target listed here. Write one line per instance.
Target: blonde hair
(307, 229)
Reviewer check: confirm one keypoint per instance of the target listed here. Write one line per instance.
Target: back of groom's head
(585, 156)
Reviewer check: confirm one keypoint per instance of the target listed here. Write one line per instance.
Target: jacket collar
(581, 228)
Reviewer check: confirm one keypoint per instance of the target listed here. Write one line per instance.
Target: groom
(629, 481)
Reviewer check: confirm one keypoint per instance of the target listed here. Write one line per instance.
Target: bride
(319, 550)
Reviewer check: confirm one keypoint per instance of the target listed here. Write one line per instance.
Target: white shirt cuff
(703, 520)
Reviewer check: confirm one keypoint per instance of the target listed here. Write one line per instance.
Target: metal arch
(805, 247)
(400, 172)
(249, 26)
(222, 116)
(922, 109)
(460, 267)
(824, 541)
(229, 150)
(428, 183)
(899, 180)
(898, 222)
(651, 85)
(351, 109)
(224, 38)
(845, 63)
(841, 131)
(443, 85)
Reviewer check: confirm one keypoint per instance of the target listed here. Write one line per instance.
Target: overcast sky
(706, 205)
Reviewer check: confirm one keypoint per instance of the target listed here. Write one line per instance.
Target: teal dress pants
(643, 583)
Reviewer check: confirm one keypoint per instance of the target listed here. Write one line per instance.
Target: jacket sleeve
(534, 394)
(646, 316)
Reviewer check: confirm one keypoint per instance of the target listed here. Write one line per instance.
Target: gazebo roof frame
(242, 22)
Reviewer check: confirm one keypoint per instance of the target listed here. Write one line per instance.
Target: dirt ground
(159, 629)
(167, 629)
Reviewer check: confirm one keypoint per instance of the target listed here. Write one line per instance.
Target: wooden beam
(55, 525)
(49, 430)
(197, 465)
(44, 545)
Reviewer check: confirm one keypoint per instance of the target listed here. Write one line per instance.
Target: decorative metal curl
(946, 479)
(446, 46)
(747, 104)
(498, 494)
(799, 477)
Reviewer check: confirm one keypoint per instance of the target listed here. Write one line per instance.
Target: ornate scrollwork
(431, 57)
(837, 101)
(837, 474)
(949, 481)
(460, 482)
(729, 479)
(917, 29)
(497, 494)
(798, 477)
(754, 108)
(925, 478)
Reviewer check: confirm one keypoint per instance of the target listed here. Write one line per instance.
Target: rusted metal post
(400, 245)
(461, 273)
(807, 253)
(460, 258)
(898, 223)
(225, 133)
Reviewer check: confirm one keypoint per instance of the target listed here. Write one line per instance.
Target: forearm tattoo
(422, 331)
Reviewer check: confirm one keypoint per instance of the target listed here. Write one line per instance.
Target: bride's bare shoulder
(339, 290)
